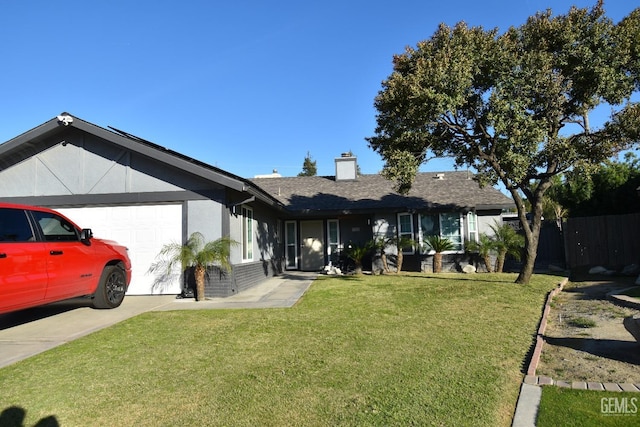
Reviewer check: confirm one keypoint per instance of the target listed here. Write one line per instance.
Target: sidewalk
(28, 332)
(278, 292)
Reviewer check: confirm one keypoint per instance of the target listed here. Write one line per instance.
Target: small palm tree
(197, 254)
(357, 254)
(401, 242)
(380, 244)
(439, 245)
(506, 242)
(484, 246)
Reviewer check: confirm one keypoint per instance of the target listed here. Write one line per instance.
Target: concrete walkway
(527, 407)
(28, 332)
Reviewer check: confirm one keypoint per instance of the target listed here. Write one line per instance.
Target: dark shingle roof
(454, 191)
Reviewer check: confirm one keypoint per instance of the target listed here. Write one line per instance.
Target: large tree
(514, 106)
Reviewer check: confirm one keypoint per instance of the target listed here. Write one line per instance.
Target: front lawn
(403, 350)
(584, 408)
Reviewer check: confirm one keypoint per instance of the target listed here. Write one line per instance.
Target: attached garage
(144, 229)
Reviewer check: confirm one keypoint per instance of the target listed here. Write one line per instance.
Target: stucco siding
(488, 219)
(204, 216)
(85, 164)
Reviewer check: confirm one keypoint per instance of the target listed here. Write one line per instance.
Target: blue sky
(248, 86)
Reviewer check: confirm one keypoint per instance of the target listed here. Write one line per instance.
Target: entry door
(312, 253)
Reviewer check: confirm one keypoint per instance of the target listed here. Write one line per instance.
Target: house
(327, 214)
(143, 195)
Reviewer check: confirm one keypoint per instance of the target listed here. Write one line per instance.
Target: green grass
(583, 408)
(373, 350)
(582, 322)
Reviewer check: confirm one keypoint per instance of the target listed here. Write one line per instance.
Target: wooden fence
(550, 246)
(610, 241)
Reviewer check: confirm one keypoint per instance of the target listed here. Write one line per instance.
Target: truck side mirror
(85, 236)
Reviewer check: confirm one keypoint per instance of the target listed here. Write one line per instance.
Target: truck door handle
(55, 252)
(3, 255)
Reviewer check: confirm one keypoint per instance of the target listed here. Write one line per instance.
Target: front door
(312, 247)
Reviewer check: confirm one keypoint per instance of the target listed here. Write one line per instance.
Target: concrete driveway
(28, 332)
(32, 331)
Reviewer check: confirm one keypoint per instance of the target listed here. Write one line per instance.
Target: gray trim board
(116, 198)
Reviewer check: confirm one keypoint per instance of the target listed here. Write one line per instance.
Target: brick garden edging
(532, 379)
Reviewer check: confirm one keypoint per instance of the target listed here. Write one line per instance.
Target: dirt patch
(585, 339)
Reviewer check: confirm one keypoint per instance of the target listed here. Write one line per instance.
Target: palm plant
(506, 242)
(438, 244)
(401, 242)
(484, 246)
(357, 254)
(195, 253)
(380, 244)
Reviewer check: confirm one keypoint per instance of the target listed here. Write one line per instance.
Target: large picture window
(247, 233)
(445, 225)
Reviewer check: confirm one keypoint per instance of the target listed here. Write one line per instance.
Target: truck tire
(111, 289)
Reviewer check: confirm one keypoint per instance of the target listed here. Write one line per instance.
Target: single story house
(145, 196)
(327, 214)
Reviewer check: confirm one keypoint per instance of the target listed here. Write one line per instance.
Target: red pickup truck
(44, 257)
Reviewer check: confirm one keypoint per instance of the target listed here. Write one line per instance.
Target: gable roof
(315, 195)
(26, 144)
(445, 191)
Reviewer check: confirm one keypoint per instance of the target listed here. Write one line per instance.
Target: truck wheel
(110, 291)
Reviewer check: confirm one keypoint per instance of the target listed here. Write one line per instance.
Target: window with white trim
(333, 240)
(445, 225)
(291, 239)
(247, 233)
(405, 229)
(472, 227)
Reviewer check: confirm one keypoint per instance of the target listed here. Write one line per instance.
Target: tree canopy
(610, 190)
(308, 167)
(514, 105)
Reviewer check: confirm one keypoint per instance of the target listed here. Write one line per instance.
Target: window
(247, 233)
(445, 225)
(472, 227)
(14, 226)
(333, 239)
(55, 228)
(291, 247)
(405, 229)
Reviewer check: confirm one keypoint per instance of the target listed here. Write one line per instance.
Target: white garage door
(144, 230)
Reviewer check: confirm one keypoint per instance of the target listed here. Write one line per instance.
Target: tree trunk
(437, 262)
(400, 259)
(530, 253)
(199, 274)
(358, 268)
(500, 261)
(531, 231)
(385, 264)
(487, 262)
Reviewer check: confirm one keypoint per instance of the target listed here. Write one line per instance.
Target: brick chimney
(346, 167)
